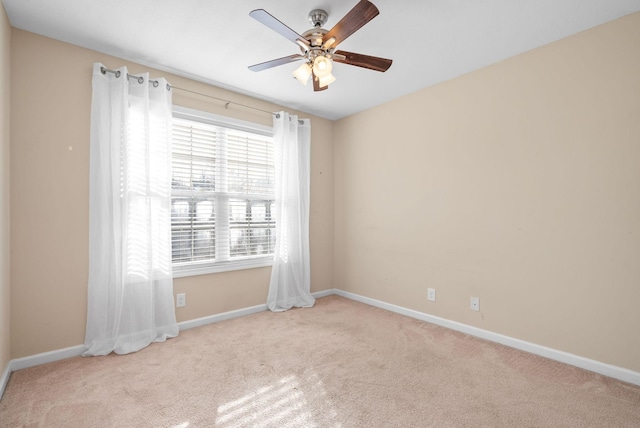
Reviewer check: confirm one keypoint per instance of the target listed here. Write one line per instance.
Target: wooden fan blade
(275, 62)
(355, 19)
(272, 22)
(365, 61)
(316, 83)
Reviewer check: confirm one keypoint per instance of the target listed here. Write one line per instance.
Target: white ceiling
(214, 41)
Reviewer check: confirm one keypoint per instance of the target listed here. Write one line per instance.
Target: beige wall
(5, 298)
(519, 184)
(51, 83)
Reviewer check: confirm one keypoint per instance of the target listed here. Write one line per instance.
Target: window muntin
(223, 195)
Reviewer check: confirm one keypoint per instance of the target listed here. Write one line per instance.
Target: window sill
(193, 269)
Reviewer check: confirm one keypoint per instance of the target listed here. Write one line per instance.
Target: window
(222, 202)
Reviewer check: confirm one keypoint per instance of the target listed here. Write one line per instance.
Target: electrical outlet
(475, 303)
(181, 300)
(431, 294)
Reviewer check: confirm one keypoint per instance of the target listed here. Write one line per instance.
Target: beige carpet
(339, 364)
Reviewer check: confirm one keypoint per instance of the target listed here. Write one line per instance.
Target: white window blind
(222, 194)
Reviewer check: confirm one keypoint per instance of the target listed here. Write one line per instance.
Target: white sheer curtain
(290, 275)
(130, 293)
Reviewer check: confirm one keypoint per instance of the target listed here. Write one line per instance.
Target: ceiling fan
(318, 46)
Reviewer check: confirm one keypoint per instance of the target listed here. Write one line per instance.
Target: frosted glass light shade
(322, 66)
(326, 80)
(302, 73)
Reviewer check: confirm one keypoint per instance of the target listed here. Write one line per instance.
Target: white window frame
(207, 266)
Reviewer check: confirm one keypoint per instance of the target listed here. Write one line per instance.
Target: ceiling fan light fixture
(302, 73)
(322, 66)
(326, 80)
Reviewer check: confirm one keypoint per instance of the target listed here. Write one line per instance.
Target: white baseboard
(5, 378)
(615, 372)
(185, 325)
(46, 357)
(323, 293)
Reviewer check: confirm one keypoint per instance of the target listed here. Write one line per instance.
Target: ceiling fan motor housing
(315, 36)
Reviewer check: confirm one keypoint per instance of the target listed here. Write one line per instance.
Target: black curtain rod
(155, 83)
